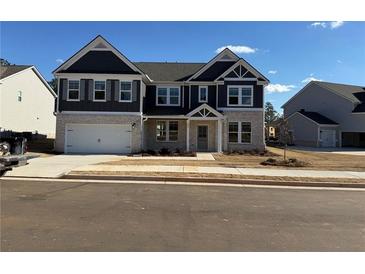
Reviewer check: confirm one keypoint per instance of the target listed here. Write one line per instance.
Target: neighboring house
(27, 102)
(270, 131)
(326, 114)
(108, 104)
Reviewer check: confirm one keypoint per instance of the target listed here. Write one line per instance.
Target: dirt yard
(314, 160)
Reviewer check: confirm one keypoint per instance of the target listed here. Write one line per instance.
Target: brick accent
(257, 129)
(63, 119)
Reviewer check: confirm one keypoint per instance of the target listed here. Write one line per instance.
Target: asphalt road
(54, 216)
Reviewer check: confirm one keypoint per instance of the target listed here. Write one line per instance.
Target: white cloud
(336, 24)
(310, 78)
(278, 88)
(319, 24)
(60, 61)
(238, 49)
(273, 71)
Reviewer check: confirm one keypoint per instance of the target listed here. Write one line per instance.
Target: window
(125, 91)
(239, 132)
(169, 96)
(19, 96)
(167, 131)
(240, 95)
(73, 90)
(203, 94)
(99, 91)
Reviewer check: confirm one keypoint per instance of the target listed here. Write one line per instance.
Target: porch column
(187, 135)
(219, 133)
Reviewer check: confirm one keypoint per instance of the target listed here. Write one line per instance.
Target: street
(66, 216)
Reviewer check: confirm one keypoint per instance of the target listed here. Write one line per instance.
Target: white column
(187, 135)
(219, 139)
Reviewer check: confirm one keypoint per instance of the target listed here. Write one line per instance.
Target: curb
(209, 180)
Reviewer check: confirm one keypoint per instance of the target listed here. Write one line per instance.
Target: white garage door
(328, 138)
(90, 138)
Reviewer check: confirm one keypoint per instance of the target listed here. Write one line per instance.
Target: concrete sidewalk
(223, 170)
(56, 166)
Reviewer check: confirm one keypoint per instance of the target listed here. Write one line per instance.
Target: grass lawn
(315, 160)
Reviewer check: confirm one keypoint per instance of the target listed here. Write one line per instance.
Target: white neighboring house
(26, 101)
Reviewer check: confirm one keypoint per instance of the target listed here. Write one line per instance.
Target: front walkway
(222, 170)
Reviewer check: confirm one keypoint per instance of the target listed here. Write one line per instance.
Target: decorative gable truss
(204, 112)
(242, 70)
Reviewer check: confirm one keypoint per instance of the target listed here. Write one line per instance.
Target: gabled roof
(6, 71)
(348, 92)
(204, 111)
(317, 117)
(165, 71)
(97, 44)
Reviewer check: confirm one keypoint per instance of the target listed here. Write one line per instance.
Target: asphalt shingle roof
(164, 71)
(346, 91)
(6, 71)
(318, 118)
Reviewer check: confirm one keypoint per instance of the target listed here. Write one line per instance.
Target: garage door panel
(93, 138)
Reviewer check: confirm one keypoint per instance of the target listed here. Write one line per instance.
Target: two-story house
(108, 104)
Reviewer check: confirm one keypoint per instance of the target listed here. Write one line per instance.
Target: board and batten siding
(112, 103)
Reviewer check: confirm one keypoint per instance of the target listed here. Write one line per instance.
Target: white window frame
(168, 131)
(125, 90)
(68, 90)
(99, 100)
(239, 139)
(168, 88)
(240, 87)
(199, 98)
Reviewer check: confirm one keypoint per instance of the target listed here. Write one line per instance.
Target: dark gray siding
(111, 104)
(195, 97)
(258, 92)
(100, 62)
(150, 107)
(214, 71)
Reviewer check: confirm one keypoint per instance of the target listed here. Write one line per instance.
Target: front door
(202, 138)
(328, 138)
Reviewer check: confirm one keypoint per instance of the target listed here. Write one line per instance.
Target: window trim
(167, 131)
(94, 91)
(20, 96)
(239, 139)
(68, 90)
(168, 96)
(240, 95)
(125, 90)
(199, 99)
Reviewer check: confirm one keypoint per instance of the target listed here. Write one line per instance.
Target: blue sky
(288, 53)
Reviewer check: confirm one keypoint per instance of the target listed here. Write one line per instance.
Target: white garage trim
(95, 126)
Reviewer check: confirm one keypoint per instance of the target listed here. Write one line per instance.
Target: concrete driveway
(336, 150)
(57, 166)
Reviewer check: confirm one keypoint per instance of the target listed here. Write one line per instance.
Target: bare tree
(285, 137)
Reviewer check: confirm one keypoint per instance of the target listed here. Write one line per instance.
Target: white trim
(101, 113)
(241, 109)
(219, 136)
(167, 131)
(101, 76)
(199, 108)
(240, 79)
(197, 135)
(125, 90)
(205, 118)
(91, 46)
(68, 91)
(239, 132)
(240, 95)
(94, 90)
(247, 66)
(224, 52)
(199, 99)
(58, 93)
(168, 97)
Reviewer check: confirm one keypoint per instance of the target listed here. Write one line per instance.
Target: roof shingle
(318, 118)
(6, 71)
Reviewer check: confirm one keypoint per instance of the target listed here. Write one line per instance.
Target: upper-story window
(73, 93)
(240, 96)
(168, 96)
(203, 94)
(99, 91)
(125, 91)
